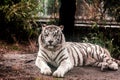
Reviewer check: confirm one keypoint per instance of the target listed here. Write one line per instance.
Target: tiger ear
(43, 26)
(61, 27)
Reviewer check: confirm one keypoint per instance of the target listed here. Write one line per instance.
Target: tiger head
(51, 36)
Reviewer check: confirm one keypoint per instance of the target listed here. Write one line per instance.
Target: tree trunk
(67, 16)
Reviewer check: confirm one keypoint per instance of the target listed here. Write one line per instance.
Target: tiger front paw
(58, 73)
(46, 71)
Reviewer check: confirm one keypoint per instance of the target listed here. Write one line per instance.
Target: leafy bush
(17, 22)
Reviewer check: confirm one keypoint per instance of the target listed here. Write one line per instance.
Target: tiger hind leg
(102, 65)
(107, 65)
(113, 64)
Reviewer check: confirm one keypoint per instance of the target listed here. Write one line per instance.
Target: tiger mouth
(53, 46)
(50, 47)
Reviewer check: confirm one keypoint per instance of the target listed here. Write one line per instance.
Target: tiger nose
(50, 41)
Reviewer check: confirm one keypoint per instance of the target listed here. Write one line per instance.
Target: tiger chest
(52, 59)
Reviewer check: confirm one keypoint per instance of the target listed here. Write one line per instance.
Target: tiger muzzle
(50, 42)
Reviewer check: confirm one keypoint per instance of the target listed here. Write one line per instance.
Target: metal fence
(84, 22)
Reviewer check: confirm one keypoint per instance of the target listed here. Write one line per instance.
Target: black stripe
(83, 54)
(73, 56)
(96, 52)
(100, 64)
(59, 53)
(95, 48)
(98, 57)
(93, 54)
(85, 49)
(61, 38)
(114, 60)
(78, 45)
(42, 57)
(42, 39)
(117, 61)
(62, 60)
(92, 51)
(107, 60)
(61, 57)
(71, 53)
(45, 54)
(97, 63)
(77, 56)
(102, 57)
(81, 50)
(84, 45)
(68, 50)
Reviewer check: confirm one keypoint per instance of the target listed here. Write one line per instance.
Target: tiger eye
(46, 34)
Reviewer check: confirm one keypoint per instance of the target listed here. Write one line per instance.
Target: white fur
(66, 55)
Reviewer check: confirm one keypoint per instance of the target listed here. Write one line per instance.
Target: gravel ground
(22, 67)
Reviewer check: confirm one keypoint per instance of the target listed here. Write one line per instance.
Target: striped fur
(64, 55)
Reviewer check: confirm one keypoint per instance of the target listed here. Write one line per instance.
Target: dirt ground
(16, 65)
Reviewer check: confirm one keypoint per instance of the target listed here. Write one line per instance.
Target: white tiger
(64, 55)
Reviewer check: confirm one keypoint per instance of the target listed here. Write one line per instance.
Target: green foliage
(19, 19)
(104, 38)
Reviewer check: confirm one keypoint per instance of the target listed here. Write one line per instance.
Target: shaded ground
(17, 65)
